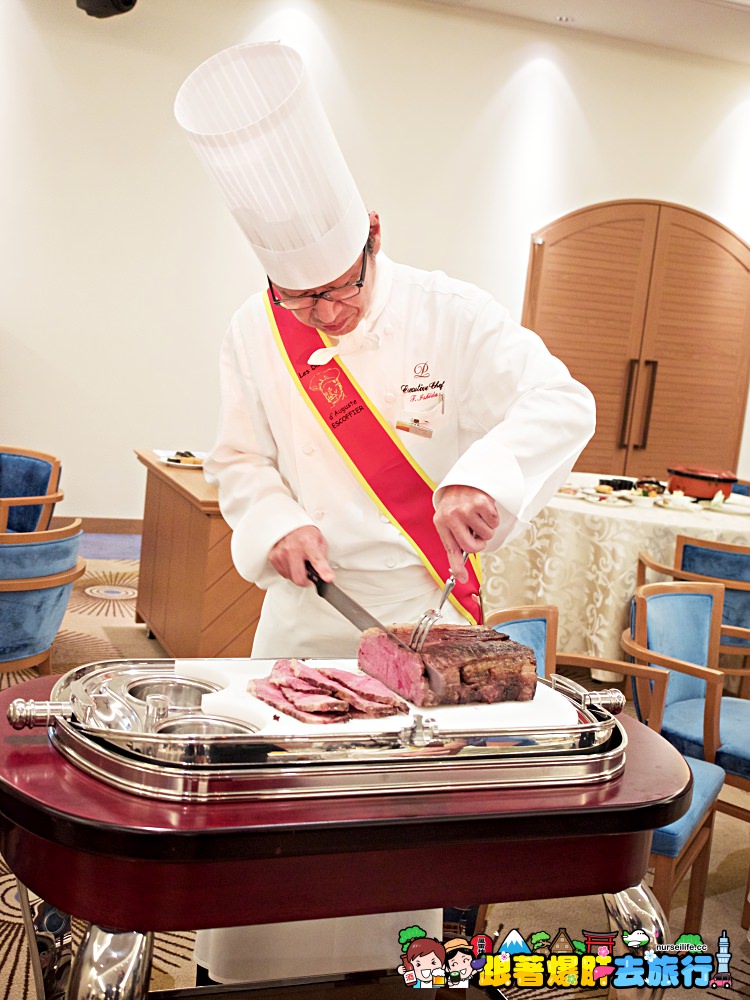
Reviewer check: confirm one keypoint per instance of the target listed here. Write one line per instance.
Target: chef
(378, 422)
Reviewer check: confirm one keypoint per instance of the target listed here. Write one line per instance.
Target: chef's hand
(290, 552)
(466, 519)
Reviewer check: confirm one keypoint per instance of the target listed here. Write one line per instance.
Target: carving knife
(362, 619)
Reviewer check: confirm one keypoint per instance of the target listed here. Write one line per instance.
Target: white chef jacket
(503, 415)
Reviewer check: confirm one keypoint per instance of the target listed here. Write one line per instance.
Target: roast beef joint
(458, 665)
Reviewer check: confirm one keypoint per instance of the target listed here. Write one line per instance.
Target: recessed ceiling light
(564, 19)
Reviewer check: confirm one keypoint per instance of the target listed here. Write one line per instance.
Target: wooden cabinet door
(586, 296)
(690, 404)
(648, 304)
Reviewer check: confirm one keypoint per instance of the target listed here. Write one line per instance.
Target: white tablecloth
(582, 557)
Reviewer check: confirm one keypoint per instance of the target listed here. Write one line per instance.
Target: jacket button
(390, 563)
(389, 397)
(319, 515)
(308, 449)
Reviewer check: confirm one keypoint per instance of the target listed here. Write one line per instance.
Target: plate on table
(736, 503)
(170, 458)
(637, 499)
(614, 499)
(687, 504)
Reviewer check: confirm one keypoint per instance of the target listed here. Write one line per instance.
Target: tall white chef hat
(258, 126)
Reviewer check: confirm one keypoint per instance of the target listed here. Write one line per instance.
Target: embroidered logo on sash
(328, 383)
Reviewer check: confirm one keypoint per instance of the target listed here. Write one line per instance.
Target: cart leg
(630, 910)
(50, 945)
(111, 965)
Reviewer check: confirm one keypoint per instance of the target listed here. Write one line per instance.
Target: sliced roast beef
(327, 683)
(297, 673)
(311, 701)
(458, 664)
(272, 695)
(303, 693)
(312, 695)
(365, 686)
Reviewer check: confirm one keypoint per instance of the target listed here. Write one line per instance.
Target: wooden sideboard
(189, 593)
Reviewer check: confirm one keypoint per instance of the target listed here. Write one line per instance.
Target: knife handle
(312, 574)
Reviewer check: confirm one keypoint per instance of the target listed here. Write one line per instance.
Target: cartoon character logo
(722, 976)
(604, 965)
(328, 383)
(423, 959)
(635, 939)
(461, 963)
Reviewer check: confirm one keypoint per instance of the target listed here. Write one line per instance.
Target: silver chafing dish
(151, 727)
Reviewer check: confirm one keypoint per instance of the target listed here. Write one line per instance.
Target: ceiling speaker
(106, 8)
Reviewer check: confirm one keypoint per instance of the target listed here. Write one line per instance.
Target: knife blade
(362, 619)
(347, 606)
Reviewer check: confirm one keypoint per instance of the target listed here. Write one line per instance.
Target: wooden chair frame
(48, 535)
(652, 687)
(40, 660)
(645, 563)
(696, 859)
(554, 658)
(46, 502)
(637, 646)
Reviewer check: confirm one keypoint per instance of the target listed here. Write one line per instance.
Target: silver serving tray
(138, 725)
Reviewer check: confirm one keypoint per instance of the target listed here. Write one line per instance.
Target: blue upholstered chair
(536, 626)
(676, 627)
(37, 572)
(28, 489)
(742, 486)
(683, 846)
(715, 562)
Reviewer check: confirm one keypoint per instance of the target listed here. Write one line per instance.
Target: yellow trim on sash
(474, 559)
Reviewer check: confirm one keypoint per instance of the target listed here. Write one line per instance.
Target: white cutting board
(548, 709)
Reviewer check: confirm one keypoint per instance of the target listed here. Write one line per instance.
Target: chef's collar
(366, 334)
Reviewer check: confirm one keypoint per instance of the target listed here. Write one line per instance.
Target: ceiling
(717, 28)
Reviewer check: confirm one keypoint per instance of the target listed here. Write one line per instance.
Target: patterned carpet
(99, 625)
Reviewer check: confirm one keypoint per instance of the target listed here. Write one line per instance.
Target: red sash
(378, 459)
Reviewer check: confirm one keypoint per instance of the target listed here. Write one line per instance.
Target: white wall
(120, 266)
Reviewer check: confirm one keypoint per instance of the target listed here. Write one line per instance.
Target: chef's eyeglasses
(336, 294)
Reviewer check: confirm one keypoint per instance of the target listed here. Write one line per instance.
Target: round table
(582, 557)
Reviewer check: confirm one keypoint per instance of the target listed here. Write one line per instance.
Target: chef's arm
(534, 420)
(253, 495)
(522, 462)
(289, 555)
(466, 519)
(261, 513)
